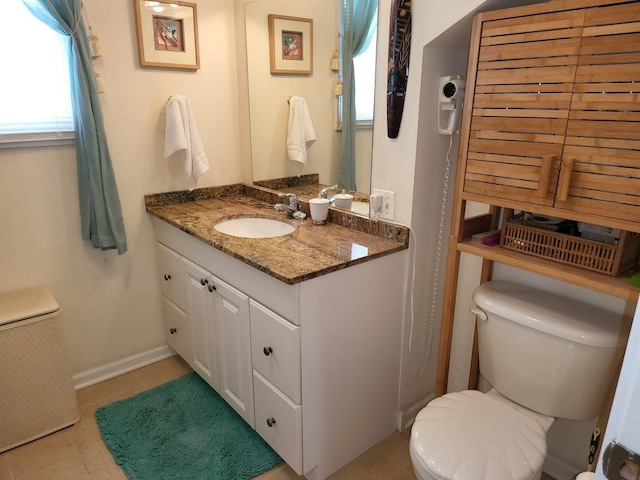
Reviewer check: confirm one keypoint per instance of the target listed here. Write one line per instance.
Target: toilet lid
(468, 435)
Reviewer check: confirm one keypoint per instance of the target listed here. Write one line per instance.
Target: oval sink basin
(250, 227)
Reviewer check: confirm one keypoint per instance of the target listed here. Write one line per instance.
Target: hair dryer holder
(450, 101)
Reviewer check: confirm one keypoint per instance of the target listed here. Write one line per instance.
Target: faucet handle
(324, 193)
(293, 199)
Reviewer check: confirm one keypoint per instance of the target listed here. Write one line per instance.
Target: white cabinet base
(332, 382)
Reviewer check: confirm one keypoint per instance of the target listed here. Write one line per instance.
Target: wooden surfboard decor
(399, 49)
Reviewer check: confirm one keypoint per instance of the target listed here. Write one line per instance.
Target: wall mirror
(269, 94)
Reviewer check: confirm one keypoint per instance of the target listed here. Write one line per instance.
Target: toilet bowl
(546, 357)
(473, 435)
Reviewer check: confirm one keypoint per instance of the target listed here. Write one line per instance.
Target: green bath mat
(182, 430)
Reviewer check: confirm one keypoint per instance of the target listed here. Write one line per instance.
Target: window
(365, 72)
(35, 87)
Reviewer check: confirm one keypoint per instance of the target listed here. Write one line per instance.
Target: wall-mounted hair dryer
(450, 100)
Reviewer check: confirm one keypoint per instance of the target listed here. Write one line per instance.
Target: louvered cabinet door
(522, 94)
(601, 158)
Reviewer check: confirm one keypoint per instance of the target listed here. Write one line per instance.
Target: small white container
(319, 210)
(343, 200)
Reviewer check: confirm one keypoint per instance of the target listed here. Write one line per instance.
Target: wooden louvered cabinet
(553, 121)
(600, 172)
(520, 100)
(551, 125)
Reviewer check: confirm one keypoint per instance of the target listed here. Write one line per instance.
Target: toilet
(546, 357)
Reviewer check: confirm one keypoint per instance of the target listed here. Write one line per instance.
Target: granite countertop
(310, 251)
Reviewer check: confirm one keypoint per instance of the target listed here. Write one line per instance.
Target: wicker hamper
(36, 389)
(519, 235)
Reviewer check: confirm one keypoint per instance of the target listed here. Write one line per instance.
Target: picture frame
(290, 45)
(167, 34)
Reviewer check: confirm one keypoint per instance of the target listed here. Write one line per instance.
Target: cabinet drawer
(177, 329)
(275, 350)
(171, 278)
(278, 421)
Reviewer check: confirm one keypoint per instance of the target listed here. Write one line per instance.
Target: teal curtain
(357, 19)
(100, 210)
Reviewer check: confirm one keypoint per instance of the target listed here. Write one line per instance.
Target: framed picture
(167, 34)
(290, 44)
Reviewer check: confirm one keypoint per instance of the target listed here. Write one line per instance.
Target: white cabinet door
(221, 348)
(200, 310)
(233, 348)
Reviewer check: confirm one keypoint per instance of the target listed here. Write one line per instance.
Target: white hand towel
(301, 134)
(181, 133)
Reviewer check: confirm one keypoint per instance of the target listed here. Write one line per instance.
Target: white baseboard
(105, 372)
(406, 417)
(558, 469)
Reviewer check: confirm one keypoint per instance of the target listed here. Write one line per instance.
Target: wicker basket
(579, 252)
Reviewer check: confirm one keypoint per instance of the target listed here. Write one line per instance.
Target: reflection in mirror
(309, 186)
(357, 28)
(269, 109)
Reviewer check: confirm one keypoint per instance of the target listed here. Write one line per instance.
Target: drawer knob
(203, 281)
(212, 288)
(167, 277)
(271, 422)
(172, 331)
(267, 351)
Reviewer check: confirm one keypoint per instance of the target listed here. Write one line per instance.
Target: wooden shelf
(616, 286)
(541, 147)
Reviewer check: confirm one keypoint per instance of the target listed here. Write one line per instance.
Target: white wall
(111, 303)
(413, 166)
(429, 175)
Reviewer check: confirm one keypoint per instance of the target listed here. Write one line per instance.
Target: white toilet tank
(549, 353)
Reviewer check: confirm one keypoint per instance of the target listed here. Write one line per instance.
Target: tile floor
(77, 452)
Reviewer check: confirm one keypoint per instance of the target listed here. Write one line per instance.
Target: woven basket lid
(27, 303)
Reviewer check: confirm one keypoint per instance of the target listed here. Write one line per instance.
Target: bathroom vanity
(300, 334)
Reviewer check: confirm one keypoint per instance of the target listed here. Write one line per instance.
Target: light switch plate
(388, 209)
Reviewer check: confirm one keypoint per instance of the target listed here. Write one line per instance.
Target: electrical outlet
(387, 211)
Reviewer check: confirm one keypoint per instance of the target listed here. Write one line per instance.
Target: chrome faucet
(292, 209)
(324, 193)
